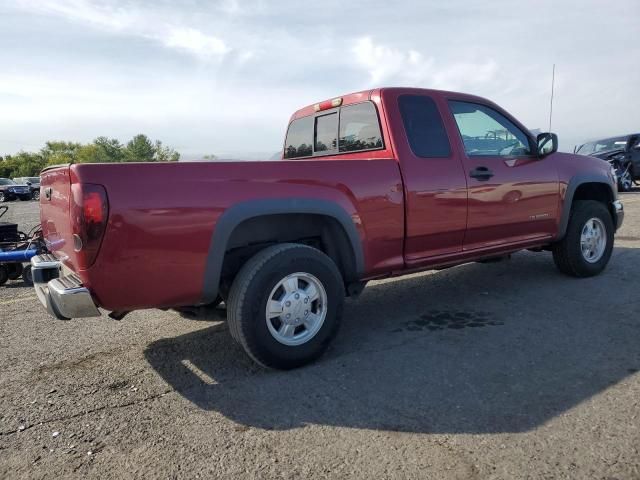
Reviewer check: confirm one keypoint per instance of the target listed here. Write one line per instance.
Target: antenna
(553, 79)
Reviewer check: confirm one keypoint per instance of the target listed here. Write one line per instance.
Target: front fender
(572, 186)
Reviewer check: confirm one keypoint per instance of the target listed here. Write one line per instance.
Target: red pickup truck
(373, 184)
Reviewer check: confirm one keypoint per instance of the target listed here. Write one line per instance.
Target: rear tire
(579, 253)
(36, 195)
(305, 289)
(4, 274)
(15, 270)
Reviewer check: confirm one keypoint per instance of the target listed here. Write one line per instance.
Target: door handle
(481, 173)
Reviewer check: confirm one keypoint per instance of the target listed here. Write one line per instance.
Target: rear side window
(299, 138)
(359, 128)
(326, 131)
(423, 124)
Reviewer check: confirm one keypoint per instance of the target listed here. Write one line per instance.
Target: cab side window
(486, 132)
(423, 125)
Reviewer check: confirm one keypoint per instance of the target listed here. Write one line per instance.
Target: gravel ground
(506, 370)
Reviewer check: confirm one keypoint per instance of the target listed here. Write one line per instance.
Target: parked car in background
(623, 153)
(370, 185)
(34, 184)
(10, 190)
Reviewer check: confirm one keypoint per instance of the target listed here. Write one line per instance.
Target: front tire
(285, 305)
(3, 198)
(587, 245)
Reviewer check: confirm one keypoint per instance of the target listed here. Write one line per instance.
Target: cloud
(107, 17)
(195, 42)
(129, 21)
(210, 75)
(386, 65)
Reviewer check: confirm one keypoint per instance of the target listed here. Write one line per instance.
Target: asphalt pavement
(506, 370)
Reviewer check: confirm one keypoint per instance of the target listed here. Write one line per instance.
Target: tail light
(89, 214)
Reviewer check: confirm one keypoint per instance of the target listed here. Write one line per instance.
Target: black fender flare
(238, 213)
(573, 185)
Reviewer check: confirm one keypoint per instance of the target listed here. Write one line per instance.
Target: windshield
(602, 145)
(6, 181)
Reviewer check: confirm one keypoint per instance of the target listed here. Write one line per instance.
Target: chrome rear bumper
(64, 297)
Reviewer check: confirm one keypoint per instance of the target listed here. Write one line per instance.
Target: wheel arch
(258, 219)
(586, 187)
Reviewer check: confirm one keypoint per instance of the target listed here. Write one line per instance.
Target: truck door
(513, 193)
(434, 181)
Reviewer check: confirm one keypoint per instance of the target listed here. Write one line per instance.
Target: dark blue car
(623, 153)
(10, 190)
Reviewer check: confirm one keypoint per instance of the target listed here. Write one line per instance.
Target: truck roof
(347, 99)
(363, 95)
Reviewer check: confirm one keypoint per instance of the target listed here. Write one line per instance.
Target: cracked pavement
(506, 370)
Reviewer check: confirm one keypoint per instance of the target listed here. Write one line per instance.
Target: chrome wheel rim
(296, 309)
(593, 240)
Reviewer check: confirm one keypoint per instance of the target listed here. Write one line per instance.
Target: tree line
(102, 150)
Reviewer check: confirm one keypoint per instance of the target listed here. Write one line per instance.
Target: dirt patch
(440, 320)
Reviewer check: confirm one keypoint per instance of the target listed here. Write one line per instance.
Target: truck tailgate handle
(481, 173)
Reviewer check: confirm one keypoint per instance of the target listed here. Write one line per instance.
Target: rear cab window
(326, 133)
(299, 138)
(347, 129)
(359, 128)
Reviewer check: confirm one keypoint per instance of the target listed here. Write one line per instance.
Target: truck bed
(162, 217)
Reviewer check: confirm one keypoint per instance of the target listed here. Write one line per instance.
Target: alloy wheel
(593, 240)
(296, 309)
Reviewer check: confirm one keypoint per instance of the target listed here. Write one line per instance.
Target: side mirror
(28, 182)
(547, 143)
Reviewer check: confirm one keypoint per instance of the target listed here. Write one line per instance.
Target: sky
(223, 77)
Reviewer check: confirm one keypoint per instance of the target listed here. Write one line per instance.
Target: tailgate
(55, 216)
